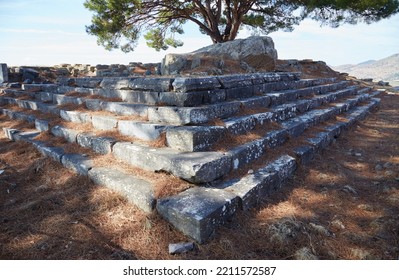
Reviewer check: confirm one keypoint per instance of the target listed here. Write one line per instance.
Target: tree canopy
(120, 23)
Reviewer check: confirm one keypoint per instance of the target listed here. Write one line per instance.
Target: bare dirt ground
(344, 205)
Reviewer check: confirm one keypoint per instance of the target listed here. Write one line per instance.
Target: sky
(51, 32)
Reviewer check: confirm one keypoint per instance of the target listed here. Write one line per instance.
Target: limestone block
(45, 96)
(240, 92)
(182, 98)
(25, 136)
(200, 167)
(85, 140)
(240, 125)
(94, 104)
(214, 96)
(79, 163)
(252, 188)
(137, 191)
(66, 133)
(247, 153)
(294, 127)
(51, 109)
(42, 125)
(151, 84)
(305, 154)
(54, 153)
(75, 116)
(115, 83)
(153, 159)
(145, 131)
(256, 102)
(103, 145)
(275, 138)
(182, 84)
(104, 122)
(235, 81)
(197, 212)
(194, 138)
(124, 109)
(10, 132)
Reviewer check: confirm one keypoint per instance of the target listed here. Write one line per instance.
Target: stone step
(198, 212)
(209, 166)
(207, 113)
(201, 138)
(190, 91)
(142, 130)
(200, 167)
(137, 191)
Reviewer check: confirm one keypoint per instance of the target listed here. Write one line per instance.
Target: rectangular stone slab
(142, 130)
(104, 122)
(77, 162)
(194, 138)
(197, 212)
(137, 191)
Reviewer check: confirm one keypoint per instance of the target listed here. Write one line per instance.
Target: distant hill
(386, 69)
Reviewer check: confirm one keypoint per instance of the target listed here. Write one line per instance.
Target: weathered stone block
(51, 109)
(240, 92)
(42, 125)
(104, 122)
(137, 191)
(27, 104)
(94, 104)
(66, 133)
(284, 167)
(153, 159)
(240, 125)
(54, 153)
(25, 136)
(256, 102)
(115, 83)
(181, 84)
(10, 132)
(275, 138)
(124, 109)
(45, 96)
(77, 162)
(214, 96)
(252, 188)
(235, 81)
(181, 98)
(197, 212)
(200, 167)
(151, 84)
(194, 138)
(247, 153)
(103, 145)
(294, 127)
(145, 131)
(85, 140)
(61, 99)
(75, 116)
(305, 154)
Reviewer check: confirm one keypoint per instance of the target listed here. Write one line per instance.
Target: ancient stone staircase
(233, 139)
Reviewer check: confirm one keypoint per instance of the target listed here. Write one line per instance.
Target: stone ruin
(233, 138)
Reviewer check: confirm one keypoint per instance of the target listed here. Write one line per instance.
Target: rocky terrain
(386, 69)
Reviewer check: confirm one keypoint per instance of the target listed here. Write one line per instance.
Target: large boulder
(256, 53)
